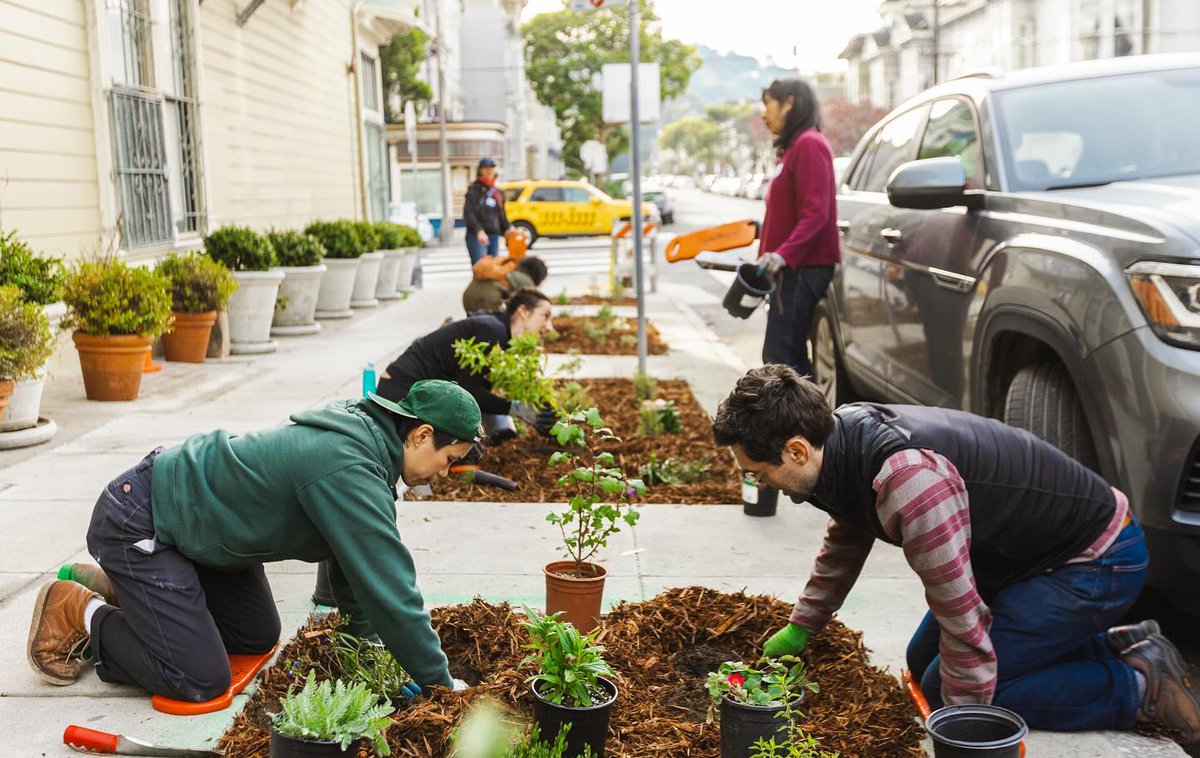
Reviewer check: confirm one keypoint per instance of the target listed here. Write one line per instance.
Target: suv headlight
(1169, 294)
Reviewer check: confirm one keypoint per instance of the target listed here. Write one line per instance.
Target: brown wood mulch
(602, 300)
(661, 651)
(524, 459)
(621, 339)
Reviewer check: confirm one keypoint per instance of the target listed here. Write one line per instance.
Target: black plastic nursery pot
(748, 291)
(589, 725)
(759, 501)
(285, 746)
(976, 731)
(744, 725)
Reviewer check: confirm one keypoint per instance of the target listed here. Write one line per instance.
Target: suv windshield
(1096, 131)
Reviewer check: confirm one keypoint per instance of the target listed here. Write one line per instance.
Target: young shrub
(410, 237)
(197, 282)
(671, 471)
(339, 238)
(573, 397)
(601, 497)
(606, 317)
(569, 664)
(656, 417)
(26, 340)
(39, 279)
(333, 712)
(240, 249)
(628, 339)
(107, 297)
(370, 665)
(517, 372)
(777, 682)
(644, 386)
(562, 298)
(293, 248)
(389, 236)
(367, 236)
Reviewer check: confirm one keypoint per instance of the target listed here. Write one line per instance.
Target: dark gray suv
(1027, 247)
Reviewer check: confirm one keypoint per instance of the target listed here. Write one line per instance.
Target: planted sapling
(777, 682)
(569, 664)
(333, 712)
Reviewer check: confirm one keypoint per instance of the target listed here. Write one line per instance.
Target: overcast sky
(804, 34)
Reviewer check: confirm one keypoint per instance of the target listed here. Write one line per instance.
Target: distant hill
(722, 77)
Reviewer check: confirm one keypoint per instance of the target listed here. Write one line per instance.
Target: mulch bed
(601, 300)
(524, 459)
(661, 651)
(620, 340)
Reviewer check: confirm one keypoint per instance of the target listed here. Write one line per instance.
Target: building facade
(896, 61)
(139, 125)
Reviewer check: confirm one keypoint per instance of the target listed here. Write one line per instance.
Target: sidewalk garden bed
(603, 334)
(690, 451)
(661, 651)
(600, 300)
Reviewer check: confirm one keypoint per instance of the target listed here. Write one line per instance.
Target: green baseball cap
(443, 405)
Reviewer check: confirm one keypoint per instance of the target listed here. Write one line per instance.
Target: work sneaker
(1169, 700)
(1120, 638)
(95, 579)
(57, 636)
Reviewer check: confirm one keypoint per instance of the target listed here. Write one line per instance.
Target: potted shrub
(116, 311)
(26, 340)
(570, 688)
(391, 243)
(757, 704)
(343, 250)
(600, 501)
(250, 257)
(411, 244)
(40, 280)
(367, 278)
(299, 257)
(330, 718)
(200, 288)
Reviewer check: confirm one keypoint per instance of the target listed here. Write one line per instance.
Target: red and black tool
(86, 740)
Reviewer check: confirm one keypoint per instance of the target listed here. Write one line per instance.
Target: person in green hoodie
(181, 540)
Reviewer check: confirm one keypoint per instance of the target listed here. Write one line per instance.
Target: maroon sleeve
(811, 167)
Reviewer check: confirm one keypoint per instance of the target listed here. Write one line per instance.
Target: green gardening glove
(789, 640)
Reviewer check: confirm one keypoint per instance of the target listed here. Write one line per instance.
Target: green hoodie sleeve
(354, 510)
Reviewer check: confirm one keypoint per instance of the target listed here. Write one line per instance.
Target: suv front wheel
(1042, 399)
(828, 372)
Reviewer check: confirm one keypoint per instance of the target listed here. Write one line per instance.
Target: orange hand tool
(84, 740)
(714, 239)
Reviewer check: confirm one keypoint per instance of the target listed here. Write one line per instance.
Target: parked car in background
(565, 208)
(660, 198)
(839, 168)
(727, 185)
(1027, 247)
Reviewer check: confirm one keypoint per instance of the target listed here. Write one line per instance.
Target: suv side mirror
(930, 184)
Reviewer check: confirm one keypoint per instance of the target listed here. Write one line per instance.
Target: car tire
(829, 372)
(1042, 399)
(530, 232)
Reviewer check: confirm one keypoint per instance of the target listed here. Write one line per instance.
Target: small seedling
(363, 662)
(569, 664)
(777, 682)
(551, 336)
(672, 471)
(606, 316)
(658, 417)
(628, 339)
(644, 386)
(518, 371)
(573, 397)
(597, 334)
(563, 298)
(333, 712)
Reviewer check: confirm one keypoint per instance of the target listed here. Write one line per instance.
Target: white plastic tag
(749, 493)
(751, 301)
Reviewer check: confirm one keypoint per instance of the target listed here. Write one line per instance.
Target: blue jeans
(790, 314)
(1054, 666)
(477, 250)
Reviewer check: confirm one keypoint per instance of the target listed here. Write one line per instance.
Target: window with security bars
(370, 83)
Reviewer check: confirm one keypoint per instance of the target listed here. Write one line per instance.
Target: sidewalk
(46, 497)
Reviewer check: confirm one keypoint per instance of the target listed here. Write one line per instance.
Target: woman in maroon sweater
(799, 240)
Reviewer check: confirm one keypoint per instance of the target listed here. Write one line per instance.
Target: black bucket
(284, 746)
(744, 725)
(748, 291)
(323, 592)
(589, 725)
(759, 501)
(974, 731)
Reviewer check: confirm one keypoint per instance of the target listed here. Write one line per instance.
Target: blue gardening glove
(410, 690)
(790, 640)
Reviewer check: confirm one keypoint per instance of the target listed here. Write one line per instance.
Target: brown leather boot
(93, 577)
(57, 637)
(1119, 638)
(1169, 700)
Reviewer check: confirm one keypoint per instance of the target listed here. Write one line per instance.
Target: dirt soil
(661, 651)
(602, 300)
(524, 459)
(620, 340)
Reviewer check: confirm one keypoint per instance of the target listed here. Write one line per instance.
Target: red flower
(736, 680)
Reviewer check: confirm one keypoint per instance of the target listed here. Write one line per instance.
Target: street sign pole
(635, 170)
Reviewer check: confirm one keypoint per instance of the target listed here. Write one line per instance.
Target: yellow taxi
(544, 208)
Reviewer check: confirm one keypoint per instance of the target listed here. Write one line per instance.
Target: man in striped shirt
(1027, 557)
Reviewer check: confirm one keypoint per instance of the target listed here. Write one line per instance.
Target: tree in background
(694, 142)
(401, 60)
(845, 123)
(564, 52)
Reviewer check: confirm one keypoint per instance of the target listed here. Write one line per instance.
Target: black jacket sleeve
(502, 212)
(469, 204)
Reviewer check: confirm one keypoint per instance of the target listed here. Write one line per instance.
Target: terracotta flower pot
(578, 597)
(6, 391)
(187, 342)
(112, 366)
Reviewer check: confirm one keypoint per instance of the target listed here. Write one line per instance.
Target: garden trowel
(87, 740)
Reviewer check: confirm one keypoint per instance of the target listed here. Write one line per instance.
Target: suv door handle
(892, 236)
(843, 227)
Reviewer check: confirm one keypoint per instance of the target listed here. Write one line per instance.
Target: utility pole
(937, 33)
(446, 230)
(635, 170)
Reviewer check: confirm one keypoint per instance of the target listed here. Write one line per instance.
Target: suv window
(951, 133)
(575, 195)
(895, 144)
(511, 194)
(547, 195)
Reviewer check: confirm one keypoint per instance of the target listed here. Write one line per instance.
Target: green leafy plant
(601, 496)
(367, 236)
(198, 283)
(657, 417)
(240, 248)
(562, 298)
(797, 743)
(339, 238)
(517, 372)
(573, 397)
(776, 682)
(485, 732)
(644, 386)
(107, 297)
(628, 339)
(597, 334)
(617, 294)
(333, 712)
(551, 336)
(672, 471)
(40, 279)
(369, 664)
(388, 235)
(606, 316)
(26, 339)
(569, 664)
(410, 237)
(294, 248)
